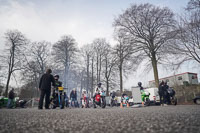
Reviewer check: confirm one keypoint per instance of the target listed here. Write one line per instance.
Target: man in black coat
(45, 88)
(167, 96)
(11, 97)
(163, 94)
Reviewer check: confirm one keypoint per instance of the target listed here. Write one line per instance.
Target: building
(178, 79)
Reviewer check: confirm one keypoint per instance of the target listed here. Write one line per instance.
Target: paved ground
(182, 119)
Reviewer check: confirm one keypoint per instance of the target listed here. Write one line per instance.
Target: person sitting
(140, 85)
(54, 94)
(112, 95)
(170, 93)
(124, 100)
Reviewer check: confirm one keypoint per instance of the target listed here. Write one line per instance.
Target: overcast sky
(85, 20)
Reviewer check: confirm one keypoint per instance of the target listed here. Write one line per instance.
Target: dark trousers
(47, 98)
(168, 98)
(163, 98)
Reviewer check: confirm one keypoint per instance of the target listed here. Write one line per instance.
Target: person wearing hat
(54, 94)
(98, 90)
(45, 88)
(140, 85)
(57, 82)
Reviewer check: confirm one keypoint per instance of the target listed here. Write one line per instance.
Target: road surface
(153, 119)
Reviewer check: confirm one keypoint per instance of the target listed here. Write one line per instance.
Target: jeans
(10, 103)
(74, 101)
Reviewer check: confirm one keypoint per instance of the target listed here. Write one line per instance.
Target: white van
(154, 96)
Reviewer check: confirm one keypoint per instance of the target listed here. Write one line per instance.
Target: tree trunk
(87, 87)
(7, 84)
(65, 77)
(107, 78)
(92, 78)
(107, 87)
(97, 69)
(81, 84)
(100, 69)
(121, 78)
(10, 68)
(155, 70)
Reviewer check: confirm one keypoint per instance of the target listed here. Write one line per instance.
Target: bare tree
(99, 45)
(1, 89)
(109, 67)
(100, 52)
(15, 45)
(188, 40)
(1, 73)
(64, 52)
(37, 57)
(124, 52)
(193, 5)
(150, 28)
(87, 52)
(40, 53)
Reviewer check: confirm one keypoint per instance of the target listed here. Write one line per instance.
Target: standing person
(162, 93)
(112, 95)
(166, 94)
(11, 97)
(45, 88)
(73, 97)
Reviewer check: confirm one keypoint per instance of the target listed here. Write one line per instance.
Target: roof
(175, 75)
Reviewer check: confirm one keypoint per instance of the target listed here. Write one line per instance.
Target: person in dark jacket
(57, 82)
(55, 95)
(11, 97)
(163, 94)
(73, 97)
(45, 88)
(167, 96)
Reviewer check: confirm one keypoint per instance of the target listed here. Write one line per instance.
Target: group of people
(47, 80)
(164, 93)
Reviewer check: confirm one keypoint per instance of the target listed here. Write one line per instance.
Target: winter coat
(11, 95)
(73, 95)
(163, 89)
(58, 84)
(46, 81)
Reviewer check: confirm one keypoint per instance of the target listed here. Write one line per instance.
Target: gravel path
(153, 119)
